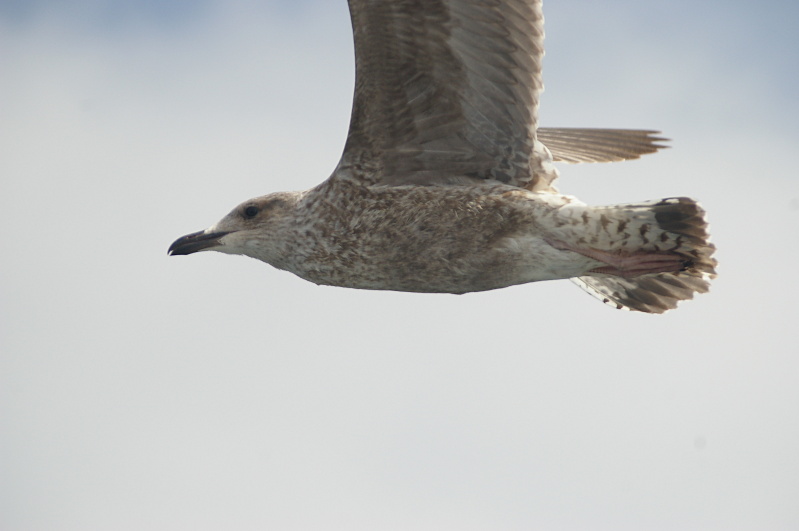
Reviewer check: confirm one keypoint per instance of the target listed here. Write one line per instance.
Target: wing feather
(445, 91)
(574, 145)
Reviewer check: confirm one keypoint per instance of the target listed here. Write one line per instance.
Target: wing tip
(583, 145)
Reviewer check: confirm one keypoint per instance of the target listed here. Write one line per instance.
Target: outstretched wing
(573, 145)
(445, 91)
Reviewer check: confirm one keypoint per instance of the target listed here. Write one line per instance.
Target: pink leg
(630, 264)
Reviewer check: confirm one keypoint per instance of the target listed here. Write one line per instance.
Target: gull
(447, 184)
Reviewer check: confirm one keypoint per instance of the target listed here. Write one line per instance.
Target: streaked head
(250, 229)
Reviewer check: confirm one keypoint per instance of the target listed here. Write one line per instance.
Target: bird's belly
(443, 241)
(431, 269)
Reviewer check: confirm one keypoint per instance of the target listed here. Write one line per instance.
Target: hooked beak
(196, 241)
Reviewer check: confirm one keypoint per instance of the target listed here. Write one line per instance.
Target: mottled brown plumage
(446, 183)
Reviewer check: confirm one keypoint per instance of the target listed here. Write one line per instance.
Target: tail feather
(653, 294)
(681, 225)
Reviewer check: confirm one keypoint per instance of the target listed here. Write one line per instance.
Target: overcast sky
(139, 391)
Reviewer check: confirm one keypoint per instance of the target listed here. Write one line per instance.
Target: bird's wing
(445, 91)
(598, 145)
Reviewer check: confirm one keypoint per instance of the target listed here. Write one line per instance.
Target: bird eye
(251, 211)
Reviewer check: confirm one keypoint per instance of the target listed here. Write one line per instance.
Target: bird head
(252, 229)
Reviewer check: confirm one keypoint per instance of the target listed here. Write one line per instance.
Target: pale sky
(139, 391)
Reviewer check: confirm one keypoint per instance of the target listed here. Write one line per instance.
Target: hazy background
(213, 392)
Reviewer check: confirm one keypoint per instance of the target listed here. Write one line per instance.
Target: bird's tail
(675, 226)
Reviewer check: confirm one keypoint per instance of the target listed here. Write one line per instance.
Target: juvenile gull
(446, 183)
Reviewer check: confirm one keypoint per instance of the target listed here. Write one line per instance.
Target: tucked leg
(629, 264)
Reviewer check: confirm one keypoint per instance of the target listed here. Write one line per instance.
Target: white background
(211, 392)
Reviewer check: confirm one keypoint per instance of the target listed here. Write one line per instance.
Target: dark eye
(251, 211)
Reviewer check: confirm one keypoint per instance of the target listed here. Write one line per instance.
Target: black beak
(196, 241)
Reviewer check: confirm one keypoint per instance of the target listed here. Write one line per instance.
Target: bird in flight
(447, 184)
